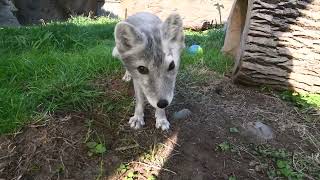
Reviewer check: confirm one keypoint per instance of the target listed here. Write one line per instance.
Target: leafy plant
(266, 88)
(271, 152)
(123, 168)
(282, 161)
(60, 169)
(225, 146)
(152, 177)
(49, 68)
(234, 130)
(302, 100)
(284, 168)
(272, 174)
(95, 148)
(131, 175)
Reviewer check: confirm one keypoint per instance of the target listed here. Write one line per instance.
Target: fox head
(152, 56)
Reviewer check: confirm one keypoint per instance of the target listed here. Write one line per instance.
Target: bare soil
(55, 146)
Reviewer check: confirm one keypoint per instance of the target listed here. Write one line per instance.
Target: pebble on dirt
(260, 130)
(182, 114)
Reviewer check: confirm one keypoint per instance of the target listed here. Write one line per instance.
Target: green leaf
(286, 172)
(122, 168)
(232, 178)
(130, 174)
(100, 148)
(224, 146)
(152, 177)
(271, 174)
(91, 144)
(285, 168)
(110, 108)
(282, 164)
(233, 130)
(90, 153)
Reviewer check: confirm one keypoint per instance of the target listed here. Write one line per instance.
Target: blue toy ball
(195, 49)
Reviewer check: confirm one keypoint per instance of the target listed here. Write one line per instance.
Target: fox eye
(143, 70)
(171, 66)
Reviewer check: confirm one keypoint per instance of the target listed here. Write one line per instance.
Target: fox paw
(163, 124)
(136, 122)
(126, 77)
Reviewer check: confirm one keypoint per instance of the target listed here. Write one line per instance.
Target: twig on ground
(127, 147)
(153, 166)
(172, 141)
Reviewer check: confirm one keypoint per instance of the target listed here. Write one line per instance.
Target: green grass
(211, 42)
(282, 163)
(48, 68)
(302, 100)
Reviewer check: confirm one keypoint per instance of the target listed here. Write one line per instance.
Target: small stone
(257, 169)
(182, 114)
(260, 167)
(253, 163)
(260, 130)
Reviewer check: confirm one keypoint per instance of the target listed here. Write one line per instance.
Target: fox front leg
(127, 76)
(137, 121)
(161, 119)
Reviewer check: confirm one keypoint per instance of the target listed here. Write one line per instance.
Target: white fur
(131, 41)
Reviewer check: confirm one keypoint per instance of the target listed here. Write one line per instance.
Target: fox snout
(162, 103)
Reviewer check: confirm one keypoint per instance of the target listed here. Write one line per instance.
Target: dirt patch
(55, 147)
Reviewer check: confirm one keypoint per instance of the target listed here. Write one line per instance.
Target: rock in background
(7, 17)
(110, 8)
(36, 11)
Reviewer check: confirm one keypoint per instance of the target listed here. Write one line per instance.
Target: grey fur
(144, 40)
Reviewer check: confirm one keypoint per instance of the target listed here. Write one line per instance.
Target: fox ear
(172, 29)
(127, 37)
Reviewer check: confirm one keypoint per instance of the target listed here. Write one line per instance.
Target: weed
(271, 152)
(233, 130)
(131, 175)
(282, 162)
(60, 169)
(284, 168)
(95, 148)
(101, 170)
(89, 131)
(152, 177)
(123, 168)
(225, 146)
(266, 89)
(302, 100)
(35, 168)
(151, 155)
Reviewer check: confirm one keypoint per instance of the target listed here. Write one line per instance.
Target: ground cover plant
(46, 68)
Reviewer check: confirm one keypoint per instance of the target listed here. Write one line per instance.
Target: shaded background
(197, 14)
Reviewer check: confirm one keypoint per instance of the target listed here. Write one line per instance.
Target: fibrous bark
(276, 44)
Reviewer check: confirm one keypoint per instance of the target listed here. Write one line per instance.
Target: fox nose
(162, 103)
